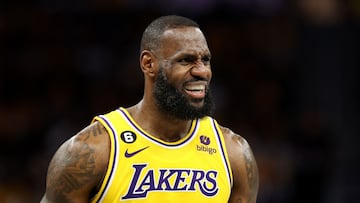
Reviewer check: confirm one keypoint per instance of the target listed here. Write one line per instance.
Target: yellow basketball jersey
(143, 168)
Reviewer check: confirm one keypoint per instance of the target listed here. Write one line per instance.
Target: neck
(159, 124)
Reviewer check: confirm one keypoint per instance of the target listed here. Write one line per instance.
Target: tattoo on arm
(97, 129)
(94, 130)
(77, 166)
(252, 174)
(250, 171)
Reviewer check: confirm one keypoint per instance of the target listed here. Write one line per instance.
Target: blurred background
(285, 77)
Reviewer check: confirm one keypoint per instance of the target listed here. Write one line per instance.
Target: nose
(201, 70)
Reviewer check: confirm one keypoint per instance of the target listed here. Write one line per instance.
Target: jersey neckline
(182, 141)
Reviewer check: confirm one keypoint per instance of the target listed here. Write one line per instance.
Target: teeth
(195, 87)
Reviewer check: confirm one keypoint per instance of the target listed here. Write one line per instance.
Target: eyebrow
(193, 56)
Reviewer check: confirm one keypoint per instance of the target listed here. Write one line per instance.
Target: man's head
(175, 60)
(152, 35)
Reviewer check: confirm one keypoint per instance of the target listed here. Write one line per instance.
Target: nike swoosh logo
(130, 154)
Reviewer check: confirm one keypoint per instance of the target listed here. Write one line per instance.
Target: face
(184, 73)
(174, 102)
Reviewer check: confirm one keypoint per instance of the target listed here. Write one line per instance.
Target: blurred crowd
(285, 77)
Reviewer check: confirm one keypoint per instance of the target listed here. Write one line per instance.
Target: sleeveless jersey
(143, 168)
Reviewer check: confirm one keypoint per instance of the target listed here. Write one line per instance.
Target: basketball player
(166, 148)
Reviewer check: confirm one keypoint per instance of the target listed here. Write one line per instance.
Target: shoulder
(77, 168)
(238, 148)
(93, 136)
(90, 144)
(92, 141)
(243, 165)
(235, 143)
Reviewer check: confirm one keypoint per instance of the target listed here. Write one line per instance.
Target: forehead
(189, 40)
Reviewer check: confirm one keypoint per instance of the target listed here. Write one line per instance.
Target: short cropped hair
(152, 34)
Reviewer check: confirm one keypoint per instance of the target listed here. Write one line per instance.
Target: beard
(170, 100)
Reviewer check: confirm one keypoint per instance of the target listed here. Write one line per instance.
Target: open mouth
(196, 91)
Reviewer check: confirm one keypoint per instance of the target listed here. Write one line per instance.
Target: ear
(147, 63)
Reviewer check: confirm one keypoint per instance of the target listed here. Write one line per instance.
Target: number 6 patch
(128, 136)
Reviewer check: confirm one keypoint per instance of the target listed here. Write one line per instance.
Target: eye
(186, 60)
(206, 60)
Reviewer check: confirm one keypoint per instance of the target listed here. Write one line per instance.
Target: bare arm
(78, 166)
(244, 167)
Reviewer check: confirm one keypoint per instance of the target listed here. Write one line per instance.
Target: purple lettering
(195, 179)
(131, 194)
(171, 180)
(147, 183)
(164, 179)
(180, 179)
(211, 178)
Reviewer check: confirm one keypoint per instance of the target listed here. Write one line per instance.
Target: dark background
(285, 77)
